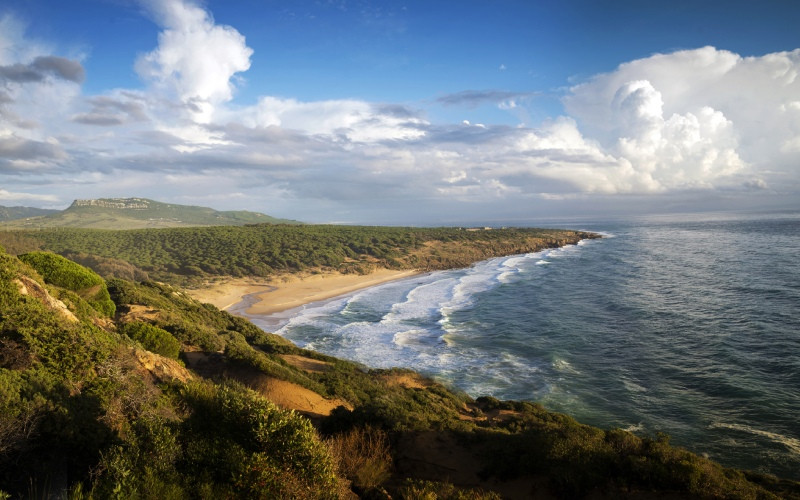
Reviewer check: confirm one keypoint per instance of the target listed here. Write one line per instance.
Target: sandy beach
(288, 292)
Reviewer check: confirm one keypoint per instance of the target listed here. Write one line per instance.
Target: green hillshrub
(153, 338)
(59, 271)
(279, 453)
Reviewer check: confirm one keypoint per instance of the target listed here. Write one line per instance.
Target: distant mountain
(14, 213)
(139, 213)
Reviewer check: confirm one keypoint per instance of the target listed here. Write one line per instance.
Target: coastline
(290, 291)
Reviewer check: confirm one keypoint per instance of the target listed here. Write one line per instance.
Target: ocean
(687, 325)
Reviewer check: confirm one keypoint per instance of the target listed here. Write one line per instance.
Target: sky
(393, 112)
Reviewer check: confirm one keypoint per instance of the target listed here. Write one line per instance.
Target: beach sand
(290, 291)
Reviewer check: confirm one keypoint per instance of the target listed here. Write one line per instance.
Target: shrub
(153, 338)
(61, 272)
(277, 449)
(363, 456)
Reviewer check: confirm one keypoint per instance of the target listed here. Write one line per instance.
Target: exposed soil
(287, 395)
(307, 364)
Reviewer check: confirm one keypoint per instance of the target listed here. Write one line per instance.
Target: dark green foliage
(232, 443)
(64, 273)
(274, 442)
(185, 255)
(186, 319)
(153, 338)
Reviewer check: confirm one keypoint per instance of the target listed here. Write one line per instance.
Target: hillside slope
(89, 408)
(138, 213)
(15, 213)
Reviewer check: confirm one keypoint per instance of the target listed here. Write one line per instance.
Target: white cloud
(8, 196)
(702, 119)
(358, 121)
(195, 58)
(741, 107)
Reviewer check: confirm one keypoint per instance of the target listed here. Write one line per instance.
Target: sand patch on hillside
(226, 293)
(308, 364)
(407, 380)
(295, 397)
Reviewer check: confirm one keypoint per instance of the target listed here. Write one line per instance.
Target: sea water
(687, 325)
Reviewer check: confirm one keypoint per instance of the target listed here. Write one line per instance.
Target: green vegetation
(189, 255)
(131, 213)
(85, 414)
(64, 273)
(14, 213)
(153, 338)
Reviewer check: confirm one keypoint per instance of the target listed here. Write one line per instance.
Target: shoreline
(263, 298)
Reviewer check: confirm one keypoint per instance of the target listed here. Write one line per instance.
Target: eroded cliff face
(120, 203)
(163, 369)
(28, 286)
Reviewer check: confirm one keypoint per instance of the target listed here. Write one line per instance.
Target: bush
(279, 453)
(364, 456)
(153, 338)
(61, 272)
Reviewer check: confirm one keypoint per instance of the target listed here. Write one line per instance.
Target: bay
(687, 325)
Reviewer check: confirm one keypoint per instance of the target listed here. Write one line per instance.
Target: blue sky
(402, 112)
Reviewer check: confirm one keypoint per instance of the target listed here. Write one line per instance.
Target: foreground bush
(232, 444)
(61, 272)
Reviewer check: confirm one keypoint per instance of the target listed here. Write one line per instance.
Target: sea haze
(688, 325)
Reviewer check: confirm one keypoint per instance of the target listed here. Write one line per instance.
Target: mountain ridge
(137, 213)
(20, 212)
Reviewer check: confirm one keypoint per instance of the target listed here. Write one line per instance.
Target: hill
(138, 213)
(15, 213)
(160, 396)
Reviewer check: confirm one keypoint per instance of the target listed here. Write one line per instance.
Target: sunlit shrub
(153, 339)
(64, 273)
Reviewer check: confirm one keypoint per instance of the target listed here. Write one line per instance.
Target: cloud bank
(704, 120)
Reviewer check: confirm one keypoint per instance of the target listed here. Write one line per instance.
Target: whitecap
(793, 444)
(563, 365)
(635, 428)
(632, 386)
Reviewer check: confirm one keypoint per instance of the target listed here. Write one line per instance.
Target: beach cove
(265, 297)
(677, 325)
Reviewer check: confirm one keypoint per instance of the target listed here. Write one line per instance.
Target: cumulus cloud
(736, 103)
(195, 58)
(702, 119)
(352, 120)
